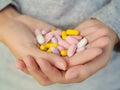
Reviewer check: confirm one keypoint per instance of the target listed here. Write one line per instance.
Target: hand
(99, 36)
(17, 34)
(81, 72)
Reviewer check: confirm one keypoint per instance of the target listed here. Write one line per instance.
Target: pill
(48, 45)
(72, 50)
(77, 37)
(63, 43)
(40, 39)
(48, 36)
(58, 32)
(60, 48)
(43, 48)
(46, 30)
(71, 40)
(49, 50)
(64, 35)
(72, 32)
(55, 50)
(80, 49)
(54, 40)
(63, 53)
(82, 43)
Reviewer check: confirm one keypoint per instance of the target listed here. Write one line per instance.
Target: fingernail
(72, 76)
(60, 65)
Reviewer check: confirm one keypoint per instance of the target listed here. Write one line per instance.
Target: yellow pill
(49, 50)
(64, 35)
(53, 30)
(63, 53)
(72, 32)
(48, 45)
(43, 47)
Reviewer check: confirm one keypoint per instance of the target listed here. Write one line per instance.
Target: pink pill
(80, 49)
(46, 30)
(37, 32)
(58, 32)
(60, 48)
(78, 37)
(54, 40)
(55, 50)
(48, 36)
(63, 43)
(72, 50)
(71, 40)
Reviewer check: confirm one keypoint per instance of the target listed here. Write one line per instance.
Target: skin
(41, 65)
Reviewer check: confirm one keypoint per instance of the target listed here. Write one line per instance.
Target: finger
(55, 60)
(33, 23)
(82, 72)
(88, 31)
(50, 71)
(21, 65)
(80, 57)
(99, 43)
(96, 35)
(35, 71)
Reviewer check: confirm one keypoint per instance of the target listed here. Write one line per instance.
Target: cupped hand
(18, 35)
(81, 67)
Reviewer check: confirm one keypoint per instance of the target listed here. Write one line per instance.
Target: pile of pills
(63, 43)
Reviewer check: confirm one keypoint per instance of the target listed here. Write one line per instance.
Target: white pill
(80, 49)
(82, 43)
(40, 39)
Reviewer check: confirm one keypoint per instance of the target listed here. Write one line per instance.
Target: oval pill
(49, 50)
(60, 48)
(64, 35)
(82, 43)
(48, 45)
(80, 49)
(72, 50)
(54, 40)
(77, 37)
(40, 39)
(63, 53)
(43, 48)
(48, 37)
(72, 32)
(55, 50)
(71, 40)
(46, 30)
(63, 43)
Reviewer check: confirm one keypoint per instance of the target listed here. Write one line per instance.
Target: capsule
(82, 43)
(64, 35)
(72, 32)
(72, 50)
(43, 48)
(63, 53)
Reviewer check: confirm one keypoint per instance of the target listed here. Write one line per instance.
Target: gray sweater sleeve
(4, 3)
(110, 14)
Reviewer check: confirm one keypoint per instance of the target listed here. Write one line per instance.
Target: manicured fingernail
(60, 65)
(72, 76)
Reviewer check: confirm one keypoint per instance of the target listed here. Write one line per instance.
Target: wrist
(7, 15)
